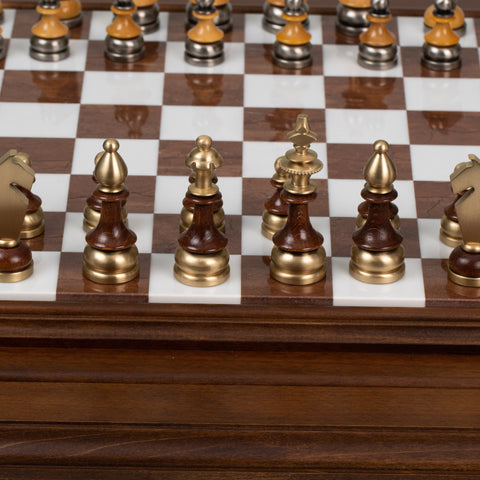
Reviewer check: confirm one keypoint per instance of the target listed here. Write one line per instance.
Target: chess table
(251, 379)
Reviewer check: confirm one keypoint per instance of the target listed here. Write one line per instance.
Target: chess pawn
(457, 22)
(201, 258)
(298, 257)
(377, 254)
(292, 48)
(111, 256)
(352, 16)
(276, 210)
(204, 43)
(124, 40)
(146, 16)
(71, 13)
(49, 40)
(222, 21)
(377, 48)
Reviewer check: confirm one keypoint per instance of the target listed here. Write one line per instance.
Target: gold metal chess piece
(201, 259)
(111, 256)
(16, 261)
(378, 255)
(298, 257)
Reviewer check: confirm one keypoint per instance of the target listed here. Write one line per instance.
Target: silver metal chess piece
(147, 18)
(351, 21)
(223, 21)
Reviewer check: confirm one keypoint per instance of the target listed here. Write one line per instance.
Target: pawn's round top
(50, 4)
(110, 145)
(294, 8)
(380, 5)
(445, 5)
(380, 146)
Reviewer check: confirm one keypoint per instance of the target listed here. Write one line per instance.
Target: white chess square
(165, 288)
(18, 57)
(141, 156)
(430, 244)
(234, 62)
(8, 22)
(99, 23)
(41, 285)
(231, 190)
(39, 120)
(142, 225)
(169, 193)
(73, 233)
(187, 122)
(53, 190)
(284, 91)
(122, 88)
(406, 292)
(367, 126)
(341, 61)
(161, 34)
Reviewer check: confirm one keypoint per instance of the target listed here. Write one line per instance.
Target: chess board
(60, 113)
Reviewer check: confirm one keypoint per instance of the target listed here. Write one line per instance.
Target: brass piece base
(110, 268)
(450, 233)
(201, 270)
(298, 268)
(377, 267)
(12, 277)
(33, 225)
(462, 280)
(186, 217)
(272, 223)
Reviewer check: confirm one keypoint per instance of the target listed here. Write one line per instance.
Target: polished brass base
(201, 270)
(360, 222)
(297, 268)
(12, 277)
(186, 217)
(377, 267)
(463, 280)
(272, 223)
(91, 218)
(450, 233)
(33, 225)
(110, 268)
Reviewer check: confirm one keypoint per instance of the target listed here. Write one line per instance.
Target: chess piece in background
(464, 261)
(378, 48)
(292, 48)
(298, 257)
(146, 16)
(352, 16)
(457, 22)
(201, 258)
(16, 261)
(49, 40)
(273, 20)
(124, 40)
(222, 21)
(204, 43)
(377, 254)
(71, 13)
(111, 256)
(2, 16)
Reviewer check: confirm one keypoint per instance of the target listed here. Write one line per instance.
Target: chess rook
(146, 16)
(71, 13)
(222, 21)
(457, 22)
(352, 16)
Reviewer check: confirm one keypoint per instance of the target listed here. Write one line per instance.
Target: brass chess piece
(201, 258)
(298, 257)
(377, 254)
(111, 256)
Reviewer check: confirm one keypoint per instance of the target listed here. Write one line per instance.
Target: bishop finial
(110, 168)
(380, 172)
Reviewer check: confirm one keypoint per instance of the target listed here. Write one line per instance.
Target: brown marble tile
(432, 198)
(48, 155)
(260, 289)
(257, 190)
(341, 230)
(348, 161)
(258, 60)
(154, 60)
(52, 239)
(364, 92)
(119, 121)
(44, 87)
(203, 90)
(140, 200)
(273, 124)
(73, 287)
(443, 128)
(413, 68)
(440, 291)
(172, 154)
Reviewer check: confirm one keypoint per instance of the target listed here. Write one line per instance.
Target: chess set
(61, 112)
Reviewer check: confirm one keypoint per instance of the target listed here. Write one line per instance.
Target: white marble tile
(284, 91)
(41, 285)
(73, 234)
(53, 190)
(430, 244)
(123, 88)
(406, 292)
(18, 57)
(341, 61)
(164, 288)
(231, 190)
(99, 23)
(169, 193)
(142, 225)
(187, 123)
(141, 156)
(39, 120)
(161, 34)
(8, 22)
(367, 126)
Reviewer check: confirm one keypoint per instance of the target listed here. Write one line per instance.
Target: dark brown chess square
(52, 239)
(431, 198)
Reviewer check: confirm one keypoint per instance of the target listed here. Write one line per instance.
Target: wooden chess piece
(276, 210)
(49, 40)
(457, 22)
(464, 261)
(146, 16)
(111, 256)
(352, 16)
(16, 261)
(298, 257)
(71, 13)
(378, 255)
(223, 20)
(2, 16)
(201, 258)
(124, 41)
(363, 214)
